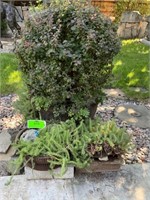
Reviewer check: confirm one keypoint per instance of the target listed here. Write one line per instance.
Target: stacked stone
(134, 25)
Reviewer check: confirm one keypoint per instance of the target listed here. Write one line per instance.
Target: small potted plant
(106, 146)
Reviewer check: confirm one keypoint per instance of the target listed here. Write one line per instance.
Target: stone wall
(134, 25)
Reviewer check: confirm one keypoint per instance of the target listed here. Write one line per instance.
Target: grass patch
(10, 76)
(131, 69)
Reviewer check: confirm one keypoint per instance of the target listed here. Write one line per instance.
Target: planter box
(39, 163)
(32, 174)
(99, 166)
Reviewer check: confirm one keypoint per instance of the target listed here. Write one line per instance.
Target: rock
(137, 115)
(148, 28)
(143, 157)
(3, 168)
(139, 161)
(144, 150)
(7, 156)
(12, 167)
(132, 25)
(117, 93)
(5, 141)
(138, 90)
(142, 30)
(131, 157)
(135, 158)
(128, 161)
(103, 158)
(131, 16)
(32, 174)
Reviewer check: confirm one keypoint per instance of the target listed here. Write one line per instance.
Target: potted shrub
(66, 56)
(83, 146)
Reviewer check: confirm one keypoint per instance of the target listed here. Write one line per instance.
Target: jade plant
(66, 56)
(67, 143)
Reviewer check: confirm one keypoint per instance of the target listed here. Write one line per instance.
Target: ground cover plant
(10, 76)
(131, 69)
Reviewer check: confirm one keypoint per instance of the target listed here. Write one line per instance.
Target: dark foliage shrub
(66, 56)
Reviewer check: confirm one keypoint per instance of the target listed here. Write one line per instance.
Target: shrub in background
(66, 56)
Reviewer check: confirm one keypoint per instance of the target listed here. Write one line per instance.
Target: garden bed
(141, 137)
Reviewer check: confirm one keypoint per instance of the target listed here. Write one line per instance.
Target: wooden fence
(105, 6)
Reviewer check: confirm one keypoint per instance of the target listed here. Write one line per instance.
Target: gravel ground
(13, 121)
(9, 118)
(140, 136)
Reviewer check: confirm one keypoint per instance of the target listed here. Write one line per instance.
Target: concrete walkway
(8, 45)
(132, 182)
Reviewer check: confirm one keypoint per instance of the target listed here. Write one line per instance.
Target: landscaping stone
(115, 93)
(148, 28)
(132, 25)
(137, 115)
(145, 42)
(32, 174)
(7, 156)
(138, 90)
(5, 141)
(3, 168)
(8, 45)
